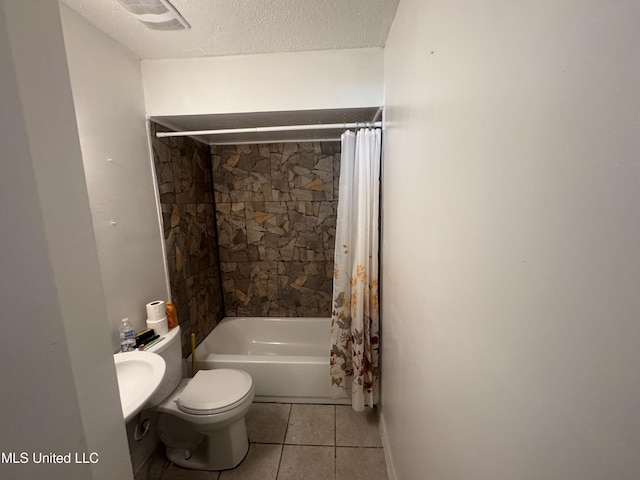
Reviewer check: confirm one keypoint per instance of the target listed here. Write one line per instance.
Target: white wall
(262, 83)
(107, 92)
(59, 391)
(511, 243)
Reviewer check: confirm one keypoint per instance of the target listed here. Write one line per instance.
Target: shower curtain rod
(281, 128)
(258, 142)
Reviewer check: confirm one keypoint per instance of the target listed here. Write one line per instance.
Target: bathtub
(288, 358)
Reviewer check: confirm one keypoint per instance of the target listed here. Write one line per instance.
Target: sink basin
(139, 376)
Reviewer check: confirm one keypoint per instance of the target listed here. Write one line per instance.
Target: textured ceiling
(241, 27)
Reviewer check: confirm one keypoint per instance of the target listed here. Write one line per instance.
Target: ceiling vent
(155, 14)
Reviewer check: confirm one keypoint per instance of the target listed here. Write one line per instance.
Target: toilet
(201, 419)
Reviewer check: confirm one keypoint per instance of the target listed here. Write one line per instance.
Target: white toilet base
(220, 450)
(204, 442)
(209, 432)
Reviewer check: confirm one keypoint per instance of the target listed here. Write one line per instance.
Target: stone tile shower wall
(183, 171)
(276, 208)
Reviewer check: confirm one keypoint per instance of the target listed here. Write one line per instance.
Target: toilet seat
(214, 391)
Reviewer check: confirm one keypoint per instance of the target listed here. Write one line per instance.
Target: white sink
(139, 376)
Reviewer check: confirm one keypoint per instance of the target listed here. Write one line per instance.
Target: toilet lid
(214, 391)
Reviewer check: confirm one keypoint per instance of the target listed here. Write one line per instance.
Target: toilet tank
(170, 349)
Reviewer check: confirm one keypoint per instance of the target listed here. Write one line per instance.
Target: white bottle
(127, 336)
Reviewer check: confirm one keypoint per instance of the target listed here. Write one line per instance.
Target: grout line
(362, 447)
(302, 444)
(335, 442)
(268, 443)
(283, 440)
(308, 445)
(286, 430)
(335, 429)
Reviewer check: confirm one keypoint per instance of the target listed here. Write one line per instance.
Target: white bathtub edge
(293, 369)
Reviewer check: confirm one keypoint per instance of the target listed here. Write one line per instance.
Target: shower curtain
(355, 325)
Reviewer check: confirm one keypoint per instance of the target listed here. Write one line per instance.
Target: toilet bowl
(201, 420)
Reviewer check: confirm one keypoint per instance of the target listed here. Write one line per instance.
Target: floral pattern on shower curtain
(355, 318)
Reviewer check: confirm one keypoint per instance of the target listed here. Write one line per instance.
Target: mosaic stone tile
(305, 289)
(242, 173)
(198, 303)
(190, 164)
(189, 239)
(249, 288)
(321, 231)
(282, 211)
(301, 174)
(232, 231)
(258, 229)
(183, 172)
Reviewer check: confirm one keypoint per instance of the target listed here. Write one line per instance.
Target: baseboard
(391, 473)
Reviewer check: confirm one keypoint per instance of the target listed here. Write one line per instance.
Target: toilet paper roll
(161, 327)
(156, 310)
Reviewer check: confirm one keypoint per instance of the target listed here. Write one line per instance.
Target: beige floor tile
(303, 462)
(267, 422)
(177, 473)
(261, 464)
(354, 463)
(357, 429)
(308, 453)
(311, 425)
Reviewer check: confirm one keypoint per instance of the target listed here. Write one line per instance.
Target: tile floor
(299, 441)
